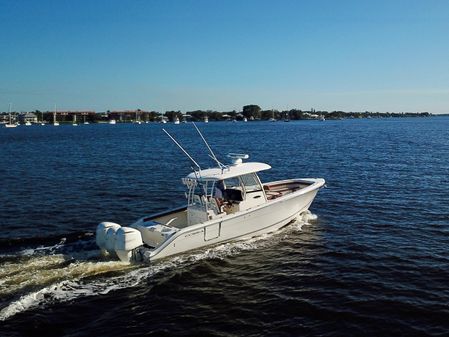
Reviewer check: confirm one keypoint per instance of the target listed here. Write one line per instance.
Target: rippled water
(376, 262)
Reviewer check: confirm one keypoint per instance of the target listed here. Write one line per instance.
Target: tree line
(250, 112)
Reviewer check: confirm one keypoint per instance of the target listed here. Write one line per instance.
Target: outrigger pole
(210, 150)
(182, 149)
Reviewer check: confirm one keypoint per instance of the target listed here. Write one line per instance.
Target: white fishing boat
(28, 123)
(176, 120)
(224, 203)
(112, 121)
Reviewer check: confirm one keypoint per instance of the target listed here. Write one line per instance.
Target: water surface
(374, 263)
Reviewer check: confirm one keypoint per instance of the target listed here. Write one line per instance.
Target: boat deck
(276, 190)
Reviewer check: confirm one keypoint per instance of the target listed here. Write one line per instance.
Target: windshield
(197, 191)
(250, 182)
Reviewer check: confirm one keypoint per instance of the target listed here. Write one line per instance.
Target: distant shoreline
(249, 113)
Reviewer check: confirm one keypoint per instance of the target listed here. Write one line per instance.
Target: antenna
(182, 149)
(210, 150)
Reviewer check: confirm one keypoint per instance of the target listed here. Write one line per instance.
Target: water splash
(62, 280)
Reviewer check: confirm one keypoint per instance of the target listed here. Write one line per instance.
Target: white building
(28, 117)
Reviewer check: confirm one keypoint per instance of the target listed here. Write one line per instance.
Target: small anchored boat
(224, 203)
(10, 124)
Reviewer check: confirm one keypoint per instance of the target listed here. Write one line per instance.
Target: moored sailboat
(10, 124)
(55, 121)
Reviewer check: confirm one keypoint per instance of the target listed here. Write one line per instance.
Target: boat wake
(40, 277)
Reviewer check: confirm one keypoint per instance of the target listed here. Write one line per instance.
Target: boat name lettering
(193, 233)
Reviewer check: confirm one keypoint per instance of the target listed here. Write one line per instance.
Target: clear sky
(379, 55)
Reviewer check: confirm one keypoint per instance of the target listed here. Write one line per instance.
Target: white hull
(265, 218)
(10, 125)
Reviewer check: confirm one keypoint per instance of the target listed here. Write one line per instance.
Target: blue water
(376, 262)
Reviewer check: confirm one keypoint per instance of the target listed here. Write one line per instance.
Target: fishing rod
(182, 149)
(212, 155)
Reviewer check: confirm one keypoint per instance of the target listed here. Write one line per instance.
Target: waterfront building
(28, 117)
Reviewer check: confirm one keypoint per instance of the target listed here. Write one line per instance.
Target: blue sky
(220, 55)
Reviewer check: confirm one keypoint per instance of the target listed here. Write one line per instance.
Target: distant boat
(245, 119)
(85, 123)
(138, 118)
(55, 122)
(74, 123)
(176, 121)
(28, 123)
(206, 119)
(322, 118)
(42, 121)
(112, 121)
(10, 124)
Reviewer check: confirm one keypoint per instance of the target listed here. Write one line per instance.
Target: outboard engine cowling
(100, 236)
(127, 239)
(110, 240)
